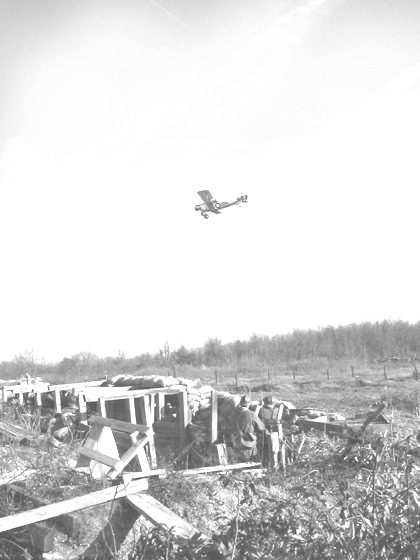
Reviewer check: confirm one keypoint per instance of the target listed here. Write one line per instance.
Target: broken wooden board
(159, 514)
(69, 506)
(71, 524)
(17, 433)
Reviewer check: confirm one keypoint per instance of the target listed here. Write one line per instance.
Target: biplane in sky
(210, 204)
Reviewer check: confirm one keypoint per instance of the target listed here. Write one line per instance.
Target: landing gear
(205, 215)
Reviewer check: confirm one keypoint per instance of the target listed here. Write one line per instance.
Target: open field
(321, 384)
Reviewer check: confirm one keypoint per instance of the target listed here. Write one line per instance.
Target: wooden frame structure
(100, 450)
(141, 406)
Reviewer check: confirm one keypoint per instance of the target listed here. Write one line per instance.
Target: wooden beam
(39, 537)
(92, 394)
(160, 409)
(221, 454)
(145, 412)
(132, 410)
(183, 418)
(219, 468)
(121, 426)
(98, 457)
(16, 432)
(77, 385)
(128, 456)
(72, 524)
(214, 417)
(159, 514)
(273, 449)
(111, 538)
(68, 506)
(57, 400)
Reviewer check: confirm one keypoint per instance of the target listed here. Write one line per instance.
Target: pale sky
(113, 114)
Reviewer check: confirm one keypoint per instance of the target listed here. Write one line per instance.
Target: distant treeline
(379, 341)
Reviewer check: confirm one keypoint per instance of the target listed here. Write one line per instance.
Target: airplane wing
(206, 196)
(208, 199)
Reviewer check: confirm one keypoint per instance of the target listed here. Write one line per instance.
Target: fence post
(385, 372)
(294, 373)
(215, 376)
(236, 375)
(328, 374)
(352, 371)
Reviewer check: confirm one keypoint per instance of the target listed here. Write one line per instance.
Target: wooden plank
(183, 418)
(160, 408)
(221, 454)
(214, 417)
(82, 407)
(282, 447)
(134, 475)
(16, 432)
(145, 412)
(102, 407)
(152, 451)
(74, 504)
(77, 385)
(127, 457)
(57, 400)
(219, 468)
(41, 538)
(121, 426)
(117, 393)
(159, 514)
(98, 457)
(132, 410)
(153, 407)
(273, 449)
(43, 387)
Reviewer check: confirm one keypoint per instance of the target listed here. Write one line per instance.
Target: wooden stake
(214, 417)
(385, 372)
(352, 371)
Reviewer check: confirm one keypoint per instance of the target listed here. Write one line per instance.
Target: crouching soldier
(247, 425)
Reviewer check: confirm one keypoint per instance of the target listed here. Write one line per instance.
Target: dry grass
(204, 500)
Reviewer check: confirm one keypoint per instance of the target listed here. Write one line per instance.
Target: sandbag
(190, 383)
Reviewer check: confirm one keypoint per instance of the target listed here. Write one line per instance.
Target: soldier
(268, 414)
(247, 425)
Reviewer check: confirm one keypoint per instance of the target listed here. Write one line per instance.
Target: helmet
(245, 401)
(268, 400)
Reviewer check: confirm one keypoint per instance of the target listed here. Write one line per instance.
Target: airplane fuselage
(210, 204)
